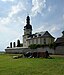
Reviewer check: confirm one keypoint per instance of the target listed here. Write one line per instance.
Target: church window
(44, 41)
(36, 40)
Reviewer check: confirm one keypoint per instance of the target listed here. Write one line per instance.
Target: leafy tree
(21, 45)
(8, 47)
(14, 44)
(10, 44)
(33, 46)
(18, 43)
(53, 45)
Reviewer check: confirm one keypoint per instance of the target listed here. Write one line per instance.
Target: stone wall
(24, 50)
(59, 50)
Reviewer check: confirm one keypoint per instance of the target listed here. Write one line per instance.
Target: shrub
(33, 46)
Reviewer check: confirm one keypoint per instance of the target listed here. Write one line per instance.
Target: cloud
(39, 28)
(10, 31)
(37, 6)
(16, 9)
(10, 25)
(12, 15)
(5, 20)
(52, 28)
(3, 29)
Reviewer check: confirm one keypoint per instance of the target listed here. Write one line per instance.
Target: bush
(18, 43)
(33, 46)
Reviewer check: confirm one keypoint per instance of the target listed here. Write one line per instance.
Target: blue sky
(46, 15)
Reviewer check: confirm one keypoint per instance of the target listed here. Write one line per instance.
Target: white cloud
(38, 6)
(52, 28)
(5, 20)
(10, 25)
(16, 9)
(39, 29)
(3, 29)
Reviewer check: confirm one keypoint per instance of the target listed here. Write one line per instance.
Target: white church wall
(38, 40)
(42, 40)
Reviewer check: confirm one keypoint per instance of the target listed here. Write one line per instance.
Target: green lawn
(31, 66)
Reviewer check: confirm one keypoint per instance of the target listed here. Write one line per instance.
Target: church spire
(28, 20)
(28, 26)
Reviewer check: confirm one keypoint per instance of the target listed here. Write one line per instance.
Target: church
(39, 38)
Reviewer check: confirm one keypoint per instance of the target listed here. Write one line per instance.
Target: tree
(10, 44)
(18, 43)
(53, 45)
(14, 44)
(33, 46)
(21, 45)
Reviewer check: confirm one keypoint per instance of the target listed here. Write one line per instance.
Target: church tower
(27, 31)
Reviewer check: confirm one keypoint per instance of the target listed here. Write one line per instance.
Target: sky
(45, 15)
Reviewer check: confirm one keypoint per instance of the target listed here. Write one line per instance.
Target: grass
(31, 66)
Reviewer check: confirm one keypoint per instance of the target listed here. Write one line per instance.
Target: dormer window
(39, 35)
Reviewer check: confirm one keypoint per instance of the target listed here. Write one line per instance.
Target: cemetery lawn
(31, 66)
